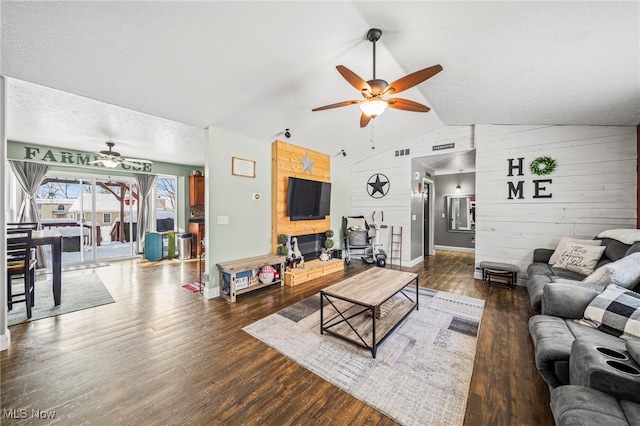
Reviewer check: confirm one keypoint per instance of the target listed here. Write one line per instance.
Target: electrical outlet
(223, 220)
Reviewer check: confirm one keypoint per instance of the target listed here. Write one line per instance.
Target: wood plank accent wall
(286, 163)
(593, 188)
(397, 204)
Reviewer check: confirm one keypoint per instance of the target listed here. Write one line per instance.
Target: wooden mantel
(286, 162)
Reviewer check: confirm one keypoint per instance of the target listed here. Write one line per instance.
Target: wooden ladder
(396, 247)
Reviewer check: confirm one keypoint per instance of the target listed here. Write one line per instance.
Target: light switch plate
(223, 220)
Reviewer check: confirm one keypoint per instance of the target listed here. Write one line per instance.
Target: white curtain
(145, 217)
(29, 176)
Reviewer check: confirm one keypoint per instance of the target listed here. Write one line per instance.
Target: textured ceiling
(257, 68)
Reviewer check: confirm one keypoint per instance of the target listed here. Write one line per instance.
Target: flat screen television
(308, 199)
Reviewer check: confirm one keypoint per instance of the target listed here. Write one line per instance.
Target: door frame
(428, 183)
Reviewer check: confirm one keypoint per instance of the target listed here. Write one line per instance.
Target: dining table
(53, 239)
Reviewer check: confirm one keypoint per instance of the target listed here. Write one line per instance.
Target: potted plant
(328, 243)
(282, 250)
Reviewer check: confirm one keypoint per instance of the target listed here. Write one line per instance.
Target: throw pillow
(580, 258)
(624, 272)
(615, 311)
(627, 236)
(564, 244)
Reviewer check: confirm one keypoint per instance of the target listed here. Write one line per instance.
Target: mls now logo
(517, 189)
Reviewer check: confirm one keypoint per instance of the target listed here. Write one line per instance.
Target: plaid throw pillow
(615, 311)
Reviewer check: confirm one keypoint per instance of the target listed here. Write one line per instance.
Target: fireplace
(310, 245)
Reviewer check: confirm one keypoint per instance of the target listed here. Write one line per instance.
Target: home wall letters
(517, 190)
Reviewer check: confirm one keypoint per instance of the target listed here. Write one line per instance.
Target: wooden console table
(235, 267)
(312, 269)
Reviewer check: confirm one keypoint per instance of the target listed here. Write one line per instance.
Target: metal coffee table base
(367, 325)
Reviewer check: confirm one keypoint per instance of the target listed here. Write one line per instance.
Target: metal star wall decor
(378, 184)
(307, 163)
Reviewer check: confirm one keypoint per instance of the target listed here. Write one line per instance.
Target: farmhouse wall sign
(443, 146)
(74, 158)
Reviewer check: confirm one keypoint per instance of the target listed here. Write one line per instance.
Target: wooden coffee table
(363, 309)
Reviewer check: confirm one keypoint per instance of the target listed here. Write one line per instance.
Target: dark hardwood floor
(163, 356)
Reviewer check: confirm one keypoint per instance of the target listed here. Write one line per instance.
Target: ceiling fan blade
(354, 79)
(95, 161)
(138, 160)
(407, 105)
(408, 81)
(364, 120)
(339, 104)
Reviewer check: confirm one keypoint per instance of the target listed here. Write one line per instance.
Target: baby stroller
(356, 237)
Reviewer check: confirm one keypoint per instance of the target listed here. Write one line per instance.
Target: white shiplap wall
(397, 203)
(594, 187)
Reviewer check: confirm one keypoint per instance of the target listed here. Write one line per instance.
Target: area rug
(193, 287)
(421, 373)
(78, 292)
(79, 267)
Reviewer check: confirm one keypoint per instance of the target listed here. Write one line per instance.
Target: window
(106, 218)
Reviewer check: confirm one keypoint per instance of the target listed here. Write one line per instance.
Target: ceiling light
(373, 108)
(109, 163)
(458, 188)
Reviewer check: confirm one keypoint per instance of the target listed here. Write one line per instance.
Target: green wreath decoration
(543, 166)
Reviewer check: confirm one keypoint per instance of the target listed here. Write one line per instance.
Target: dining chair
(20, 263)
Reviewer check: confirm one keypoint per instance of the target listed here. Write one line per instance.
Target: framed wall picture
(243, 167)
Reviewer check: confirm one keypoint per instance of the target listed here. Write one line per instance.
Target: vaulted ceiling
(152, 75)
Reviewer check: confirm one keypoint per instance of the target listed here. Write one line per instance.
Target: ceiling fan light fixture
(109, 163)
(373, 108)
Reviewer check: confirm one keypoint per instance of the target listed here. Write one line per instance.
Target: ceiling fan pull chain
(373, 126)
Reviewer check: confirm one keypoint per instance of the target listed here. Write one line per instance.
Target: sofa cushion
(564, 244)
(615, 311)
(580, 258)
(632, 411)
(539, 268)
(579, 405)
(624, 272)
(535, 286)
(552, 340)
(567, 274)
(614, 249)
(567, 299)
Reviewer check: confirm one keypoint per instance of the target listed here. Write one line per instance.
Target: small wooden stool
(506, 274)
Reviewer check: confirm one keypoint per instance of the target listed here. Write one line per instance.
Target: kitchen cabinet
(197, 229)
(196, 191)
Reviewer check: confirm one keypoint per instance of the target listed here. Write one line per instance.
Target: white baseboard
(413, 262)
(460, 249)
(5, 340)
(211, 292)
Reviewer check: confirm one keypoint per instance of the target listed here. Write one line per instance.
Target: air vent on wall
(402, 152)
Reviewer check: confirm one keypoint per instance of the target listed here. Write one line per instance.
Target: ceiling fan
(375, 89)
(112, 159)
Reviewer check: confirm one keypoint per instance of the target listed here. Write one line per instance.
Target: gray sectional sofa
(540, 272)
(593, 375)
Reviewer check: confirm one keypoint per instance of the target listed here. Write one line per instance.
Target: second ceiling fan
(375, 89)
